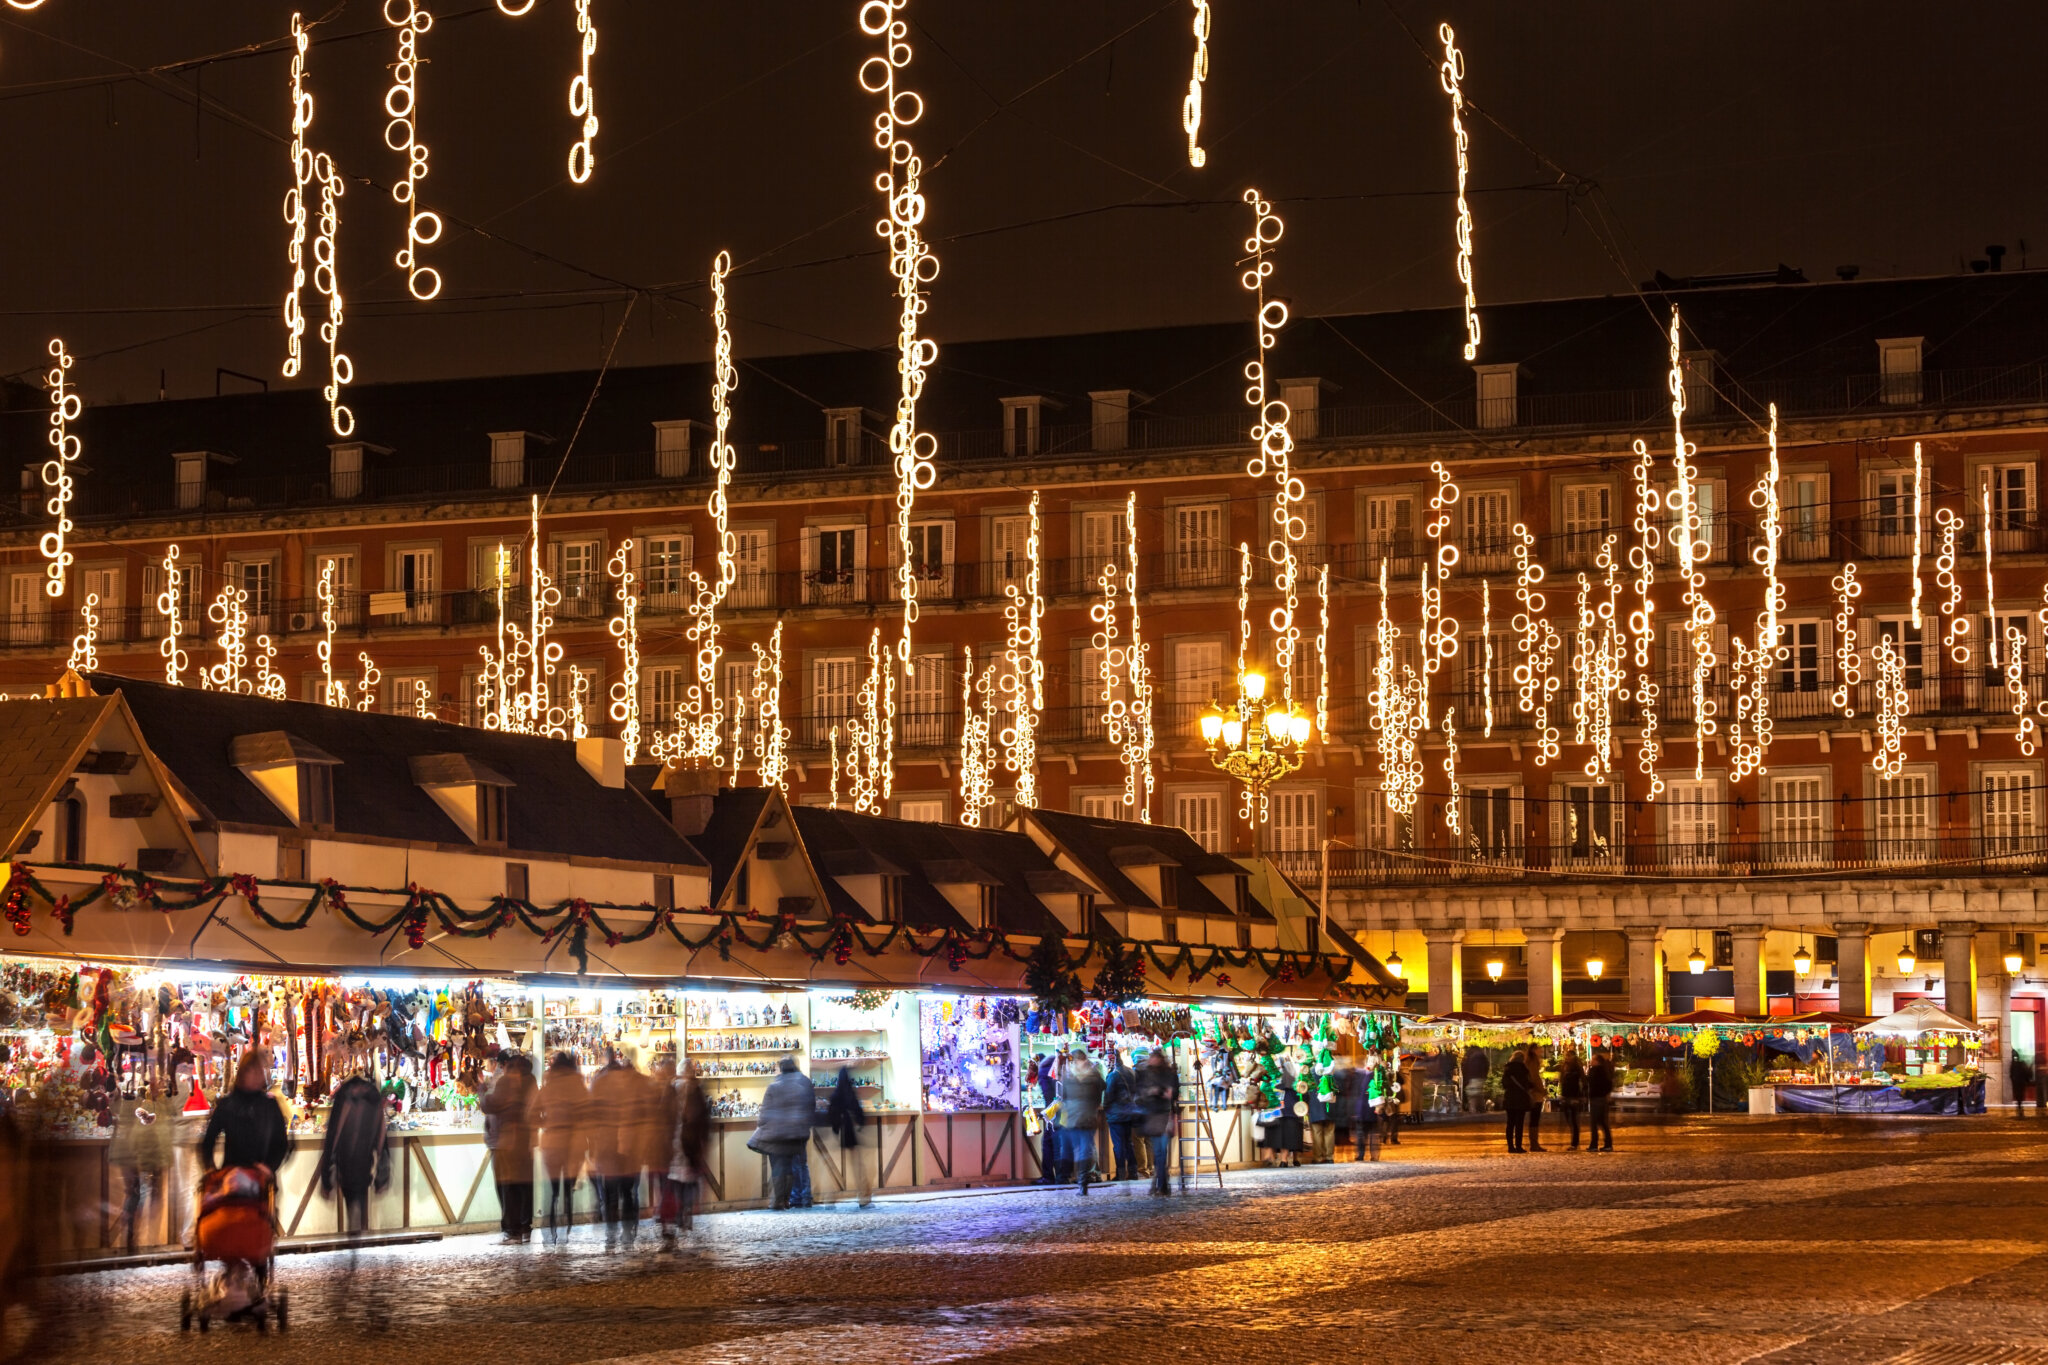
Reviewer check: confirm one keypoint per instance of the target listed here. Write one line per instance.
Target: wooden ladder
(1193, 1133)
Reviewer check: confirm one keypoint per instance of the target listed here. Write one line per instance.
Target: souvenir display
(969, 1050)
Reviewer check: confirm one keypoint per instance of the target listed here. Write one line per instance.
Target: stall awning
(1922, 1016)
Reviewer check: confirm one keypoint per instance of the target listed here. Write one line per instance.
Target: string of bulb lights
(401, 135)
(65, 407)
(1191, 106)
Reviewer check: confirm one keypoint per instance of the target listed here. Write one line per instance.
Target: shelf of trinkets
(848, 1054)
(739, 1071)
(746, 1042)
(712, 1015)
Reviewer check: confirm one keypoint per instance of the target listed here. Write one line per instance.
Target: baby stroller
(237, 1227)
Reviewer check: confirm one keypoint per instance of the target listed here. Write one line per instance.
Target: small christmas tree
(1050, 976)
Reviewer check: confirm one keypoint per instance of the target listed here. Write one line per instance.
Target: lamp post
(1256, 741)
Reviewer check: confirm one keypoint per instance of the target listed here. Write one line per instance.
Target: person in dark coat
(1515, 1084)
(1599, 1096)
(1120, 1107)
(1081, 1090)
(1283, 1135)
(783, 1128)
(693, 1138)
(1368, 1087)
(248, 1123)
(1474, 1071)
(845, 1117)
(1158, 1096)
(2022, 1075)
(353, 1156)
(1539, 1095)
(1571, 1092)
(1322, 1120)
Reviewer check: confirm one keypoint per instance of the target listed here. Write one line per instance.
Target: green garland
(577, 918)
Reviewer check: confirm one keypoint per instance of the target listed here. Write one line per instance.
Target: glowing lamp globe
(1253, 684)
(1802, 961)
(1233, 731)
(1276, 724)
(1494, 967)
(1697, 961)
(1906, 961)
(1595, 966)
(1303, 727)
(2013, 961)
(1212, 725)
(1395, 966)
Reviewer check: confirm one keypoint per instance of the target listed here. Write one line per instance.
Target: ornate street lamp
(1256, 741)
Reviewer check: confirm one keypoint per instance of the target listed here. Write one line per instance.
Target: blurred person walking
(1120, 1109)
(1081, 1089)
(141, 1152)
(1473, 1070)
(508, 1132)
(783, 1129)
(845, 1117)
(620, 1101)
(1368, 1085)
(248, 1124)
(693, 1136)
(353, 1156)
(1159, 1101)
(564, 1101)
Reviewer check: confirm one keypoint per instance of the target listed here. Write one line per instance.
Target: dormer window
(892, 898)
(843, 435)
(1021, 422)
(298, 777)
(472, 794)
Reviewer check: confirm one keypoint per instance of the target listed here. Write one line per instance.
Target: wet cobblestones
(1790, 1243)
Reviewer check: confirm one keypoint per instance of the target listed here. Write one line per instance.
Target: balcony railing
(1831, 854)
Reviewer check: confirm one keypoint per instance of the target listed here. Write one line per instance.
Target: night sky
(1899, 137)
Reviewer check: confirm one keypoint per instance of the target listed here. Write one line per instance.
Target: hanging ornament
(401, 135)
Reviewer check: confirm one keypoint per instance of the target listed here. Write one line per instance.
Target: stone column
(1749, 968)
(1446, 970)
(1546, 970)
(1646, 970)
(1959, 968)
(1994, 1006)
(1852, 967)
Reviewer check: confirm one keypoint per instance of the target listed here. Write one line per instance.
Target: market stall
(1919, 1060)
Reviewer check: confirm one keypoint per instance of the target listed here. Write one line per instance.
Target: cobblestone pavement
(1793, 1243)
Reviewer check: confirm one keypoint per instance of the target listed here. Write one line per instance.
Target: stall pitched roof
(1104, 848)
(569, 813)
(41, 742)
(924, 856)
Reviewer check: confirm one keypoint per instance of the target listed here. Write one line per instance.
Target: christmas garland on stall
(577, 918)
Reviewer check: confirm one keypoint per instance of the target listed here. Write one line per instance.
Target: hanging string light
(1451, 817)
(1452, 74)
(170, 605)
(422, 700)
(1765, 498)
(1954, 638)
(1191, 107)
(1642, 557)
(977, 749)
(327, 279)
(771, 736)
(295, 203)
(1439, 633)
(1918, 502)
(269, 682)
(85, 656)
(2016, 688)
(625, 628)
(912, 266)
(869, 756)
(1692, 551)
(1139, 734)
(366, 686)
(1486, 643)
(1022, 684)
(1395, 701)
(65, 408)
(333, 693)
(1323, 662)
(230, 611)
(1535, 684)
(739, 734)
(702, 714)
(1889, 760)
(1990, 592)
(1272, 442)
(401, 135)
(1109, 660)
(582, 95)
(1848, 663)
(1244, 605)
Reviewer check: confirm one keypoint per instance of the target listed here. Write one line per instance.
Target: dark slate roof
(40, 744)
(555, 806)
(1795, 342)
(1106, 847)
(1005, 858)
(734, 813)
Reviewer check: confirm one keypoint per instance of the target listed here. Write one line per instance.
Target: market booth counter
(1920, 1060)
